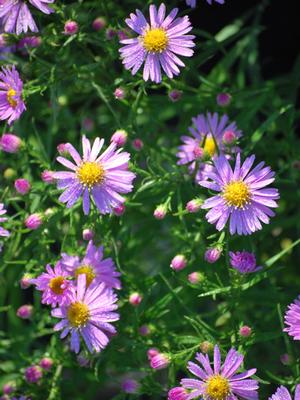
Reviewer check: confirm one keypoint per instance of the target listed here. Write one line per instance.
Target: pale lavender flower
(15, 15)
(283, 394)
(244, 262)
(11, 87)
(89, 315)
(102, 177)
(292, 319)
(205, 143)
(242, 197)
(158, 44)
(94, 266)
(3, 232)
(55, 285)
(219, 382)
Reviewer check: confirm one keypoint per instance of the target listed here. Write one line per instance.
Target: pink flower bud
(175, 95)
(25, 311)
(119, 93)
(195, 278)
(178, 262)
(25, 281)
(245, 331)
(152, 352)
(62, 148)
(10, 143)
(70, 28)
(194, 205)
(46, 363)
(160, 212)
(286, 359)
(47, 176)
(144, 330)
(178, 393)
(8, 388)
(130, 386)
(33, 221)
(137, 144)
(229, 137)
(110, 33)
(33, 374)
(160, 361)
(118, 211)
(212, 255)
(119, 137)
(198, 152)
(88, 124)
(135, 299)
(223, 99)
(22, 186)
(99, 23)
(87, 234)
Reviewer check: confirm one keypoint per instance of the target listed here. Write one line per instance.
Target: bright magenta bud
(152, 352)
(46, 363)
(10, 143)
(229, 137)
(33, 221)
(137, 144)
(22, 186)
(119, 93)
(245, 331)
(178, 393)
(194, 205)
(224, 99)
(99, 23)
(135, 299)
(130, 386)
(212, 255)
(160, 361)
(25, 311)
(70, 28)
(178, 262)
(47, 176)
(119, 137)
(33, 374)
(87, 234)
(119, 210)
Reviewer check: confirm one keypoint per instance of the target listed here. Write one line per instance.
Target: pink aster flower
(219, 382)
(103, 177)
(158, 43)
(283, 394)
(54, 284)
(292, 319)
(206, 142)
(16, 17)
(88, 315)
(244, 262)
(11, 86)
(3, 232)
(94, 266)
(242, 197)
(10, 143)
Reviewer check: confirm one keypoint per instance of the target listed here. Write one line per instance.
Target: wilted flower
(11, 89)
(152, 352)
(101, 177)
(88, 315)
(242, 198)
(93, 266)
(158, 44)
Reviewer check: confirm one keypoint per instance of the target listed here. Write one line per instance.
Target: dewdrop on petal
(119, 137)
(25, 311)
(22, 186)
(135, 299)
(245, 331)
(33, 221)
(160, 361)
(33, 374)
(70, 28)
(179, 262)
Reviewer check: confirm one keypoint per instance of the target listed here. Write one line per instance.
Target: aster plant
(217, 382)
(103, 177)
(283, 394)
(159, 43)
(292, 320)
(242, 197)
(88, 315)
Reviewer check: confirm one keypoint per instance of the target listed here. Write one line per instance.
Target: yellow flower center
(78, 314)
(155, 40)
(217, 388)
(236, 194)
(209, 145)
(90, 173)
(88, 271)
(56, 283)
(10, 97)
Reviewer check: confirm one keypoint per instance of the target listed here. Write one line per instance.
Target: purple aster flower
(88, 315)
(220, 382)
(158, 44)
(93, 266)
(15, 16)
(292, 319)
(54, 284)
(103, 177)
(11, 86)
(3, 232)
(244, 262)
(242, 197)
(192, 3)
(283, 394)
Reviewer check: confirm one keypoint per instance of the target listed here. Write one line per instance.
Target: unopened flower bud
(178, 262)
(22, 186)
(135, 299)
